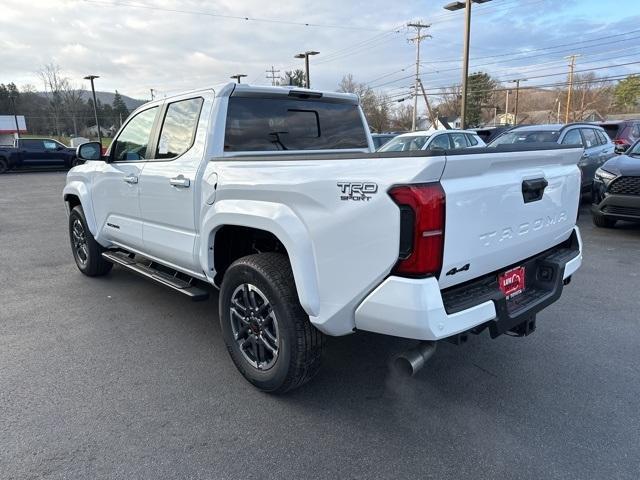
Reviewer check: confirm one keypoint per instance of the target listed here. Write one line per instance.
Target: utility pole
(572, 66)
(91, 78)
(517, 82)
(506, 108)
(417, 39)
(151, 90)
(432, 117)
(273, 75)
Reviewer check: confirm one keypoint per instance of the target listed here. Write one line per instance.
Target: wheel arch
(276, 222)
(74, 194)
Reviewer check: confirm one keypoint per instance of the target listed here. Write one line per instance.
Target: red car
(623, 133)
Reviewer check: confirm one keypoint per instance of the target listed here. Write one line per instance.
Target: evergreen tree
(120, 110)
(480, 89)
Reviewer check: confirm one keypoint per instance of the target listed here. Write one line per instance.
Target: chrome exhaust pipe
(410, 362)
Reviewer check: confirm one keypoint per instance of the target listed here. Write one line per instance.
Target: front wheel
(4, 166)
(266, 331)
(86, 251)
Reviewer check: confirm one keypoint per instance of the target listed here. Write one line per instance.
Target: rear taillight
(422, 209)
(621, 141)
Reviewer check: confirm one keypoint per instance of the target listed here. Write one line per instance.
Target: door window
(179, 128)
(131, 144)
(590, 139)
(31, 144)
(473, 141)
(440, 142)
(602, 137)
(458, 140)
(50, 145)
(572, 137)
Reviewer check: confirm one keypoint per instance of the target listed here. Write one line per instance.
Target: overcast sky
(134, 49)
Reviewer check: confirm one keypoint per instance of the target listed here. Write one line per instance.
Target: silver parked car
(436, 140)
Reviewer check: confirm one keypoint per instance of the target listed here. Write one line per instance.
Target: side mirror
(622, 147)
(89, 151)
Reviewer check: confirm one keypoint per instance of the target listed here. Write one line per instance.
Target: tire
(270, 283)
(75, 162)
(4, 166)
(602, 221)
(86, 251)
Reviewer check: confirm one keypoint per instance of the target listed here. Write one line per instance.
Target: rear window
(267, 124)
(612, 130)
(529, 136)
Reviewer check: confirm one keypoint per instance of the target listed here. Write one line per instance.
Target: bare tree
(73, 101)
(375, 106)
(449, 105)
(53, 81)
(402, 117)
(590, 92)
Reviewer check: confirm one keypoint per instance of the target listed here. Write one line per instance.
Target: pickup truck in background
(275, 196)
(32, 152)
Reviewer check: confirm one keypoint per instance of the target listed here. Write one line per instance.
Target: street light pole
(305, 55)
(91, 78)
(238, 76)
(12, 97)
(465, 56)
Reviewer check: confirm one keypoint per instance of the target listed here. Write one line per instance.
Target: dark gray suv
(598, 147)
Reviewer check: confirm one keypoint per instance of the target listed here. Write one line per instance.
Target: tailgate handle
(532, 190)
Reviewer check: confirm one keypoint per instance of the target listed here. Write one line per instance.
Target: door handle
(131, 179)
(180, 181)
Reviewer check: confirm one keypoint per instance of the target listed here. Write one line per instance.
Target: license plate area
(512, 282)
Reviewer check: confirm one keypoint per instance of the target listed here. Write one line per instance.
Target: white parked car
(435, 140)
(275, 196)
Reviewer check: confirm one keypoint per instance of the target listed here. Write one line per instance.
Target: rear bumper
(620, 207)
(418, 309)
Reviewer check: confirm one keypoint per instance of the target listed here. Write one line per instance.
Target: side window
(32, 144)
(50, 145)
(572, 137)
(133, 140)
(590, 139)
(440, 142)
(179, 128)
(636, 130)
(472, 140)
(603, 137)
(458, 140)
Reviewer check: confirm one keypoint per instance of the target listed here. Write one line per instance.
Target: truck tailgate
(505, 206)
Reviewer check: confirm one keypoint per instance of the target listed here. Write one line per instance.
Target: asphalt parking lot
(119, 378)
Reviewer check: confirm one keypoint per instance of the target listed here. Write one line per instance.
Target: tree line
(61, 108)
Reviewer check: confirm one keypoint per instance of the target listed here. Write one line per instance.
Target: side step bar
(153, 273)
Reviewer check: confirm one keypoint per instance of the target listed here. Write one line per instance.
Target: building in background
(8, 128)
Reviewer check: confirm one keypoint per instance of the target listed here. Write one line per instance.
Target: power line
(230, 17)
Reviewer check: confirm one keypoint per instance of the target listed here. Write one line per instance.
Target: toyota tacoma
(276, 197)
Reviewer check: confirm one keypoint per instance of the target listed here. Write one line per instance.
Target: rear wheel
(602, 221)
(266, 331)
(86, 251)
(4, 165)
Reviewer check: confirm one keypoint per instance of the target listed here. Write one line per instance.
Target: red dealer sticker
(512, 282)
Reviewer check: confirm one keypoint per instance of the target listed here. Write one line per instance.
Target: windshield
(634, 150)
(529, 136)
(405, 144)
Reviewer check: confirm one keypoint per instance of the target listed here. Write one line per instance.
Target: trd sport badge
(357, 191)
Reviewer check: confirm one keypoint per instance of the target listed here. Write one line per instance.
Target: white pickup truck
(274, 196)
